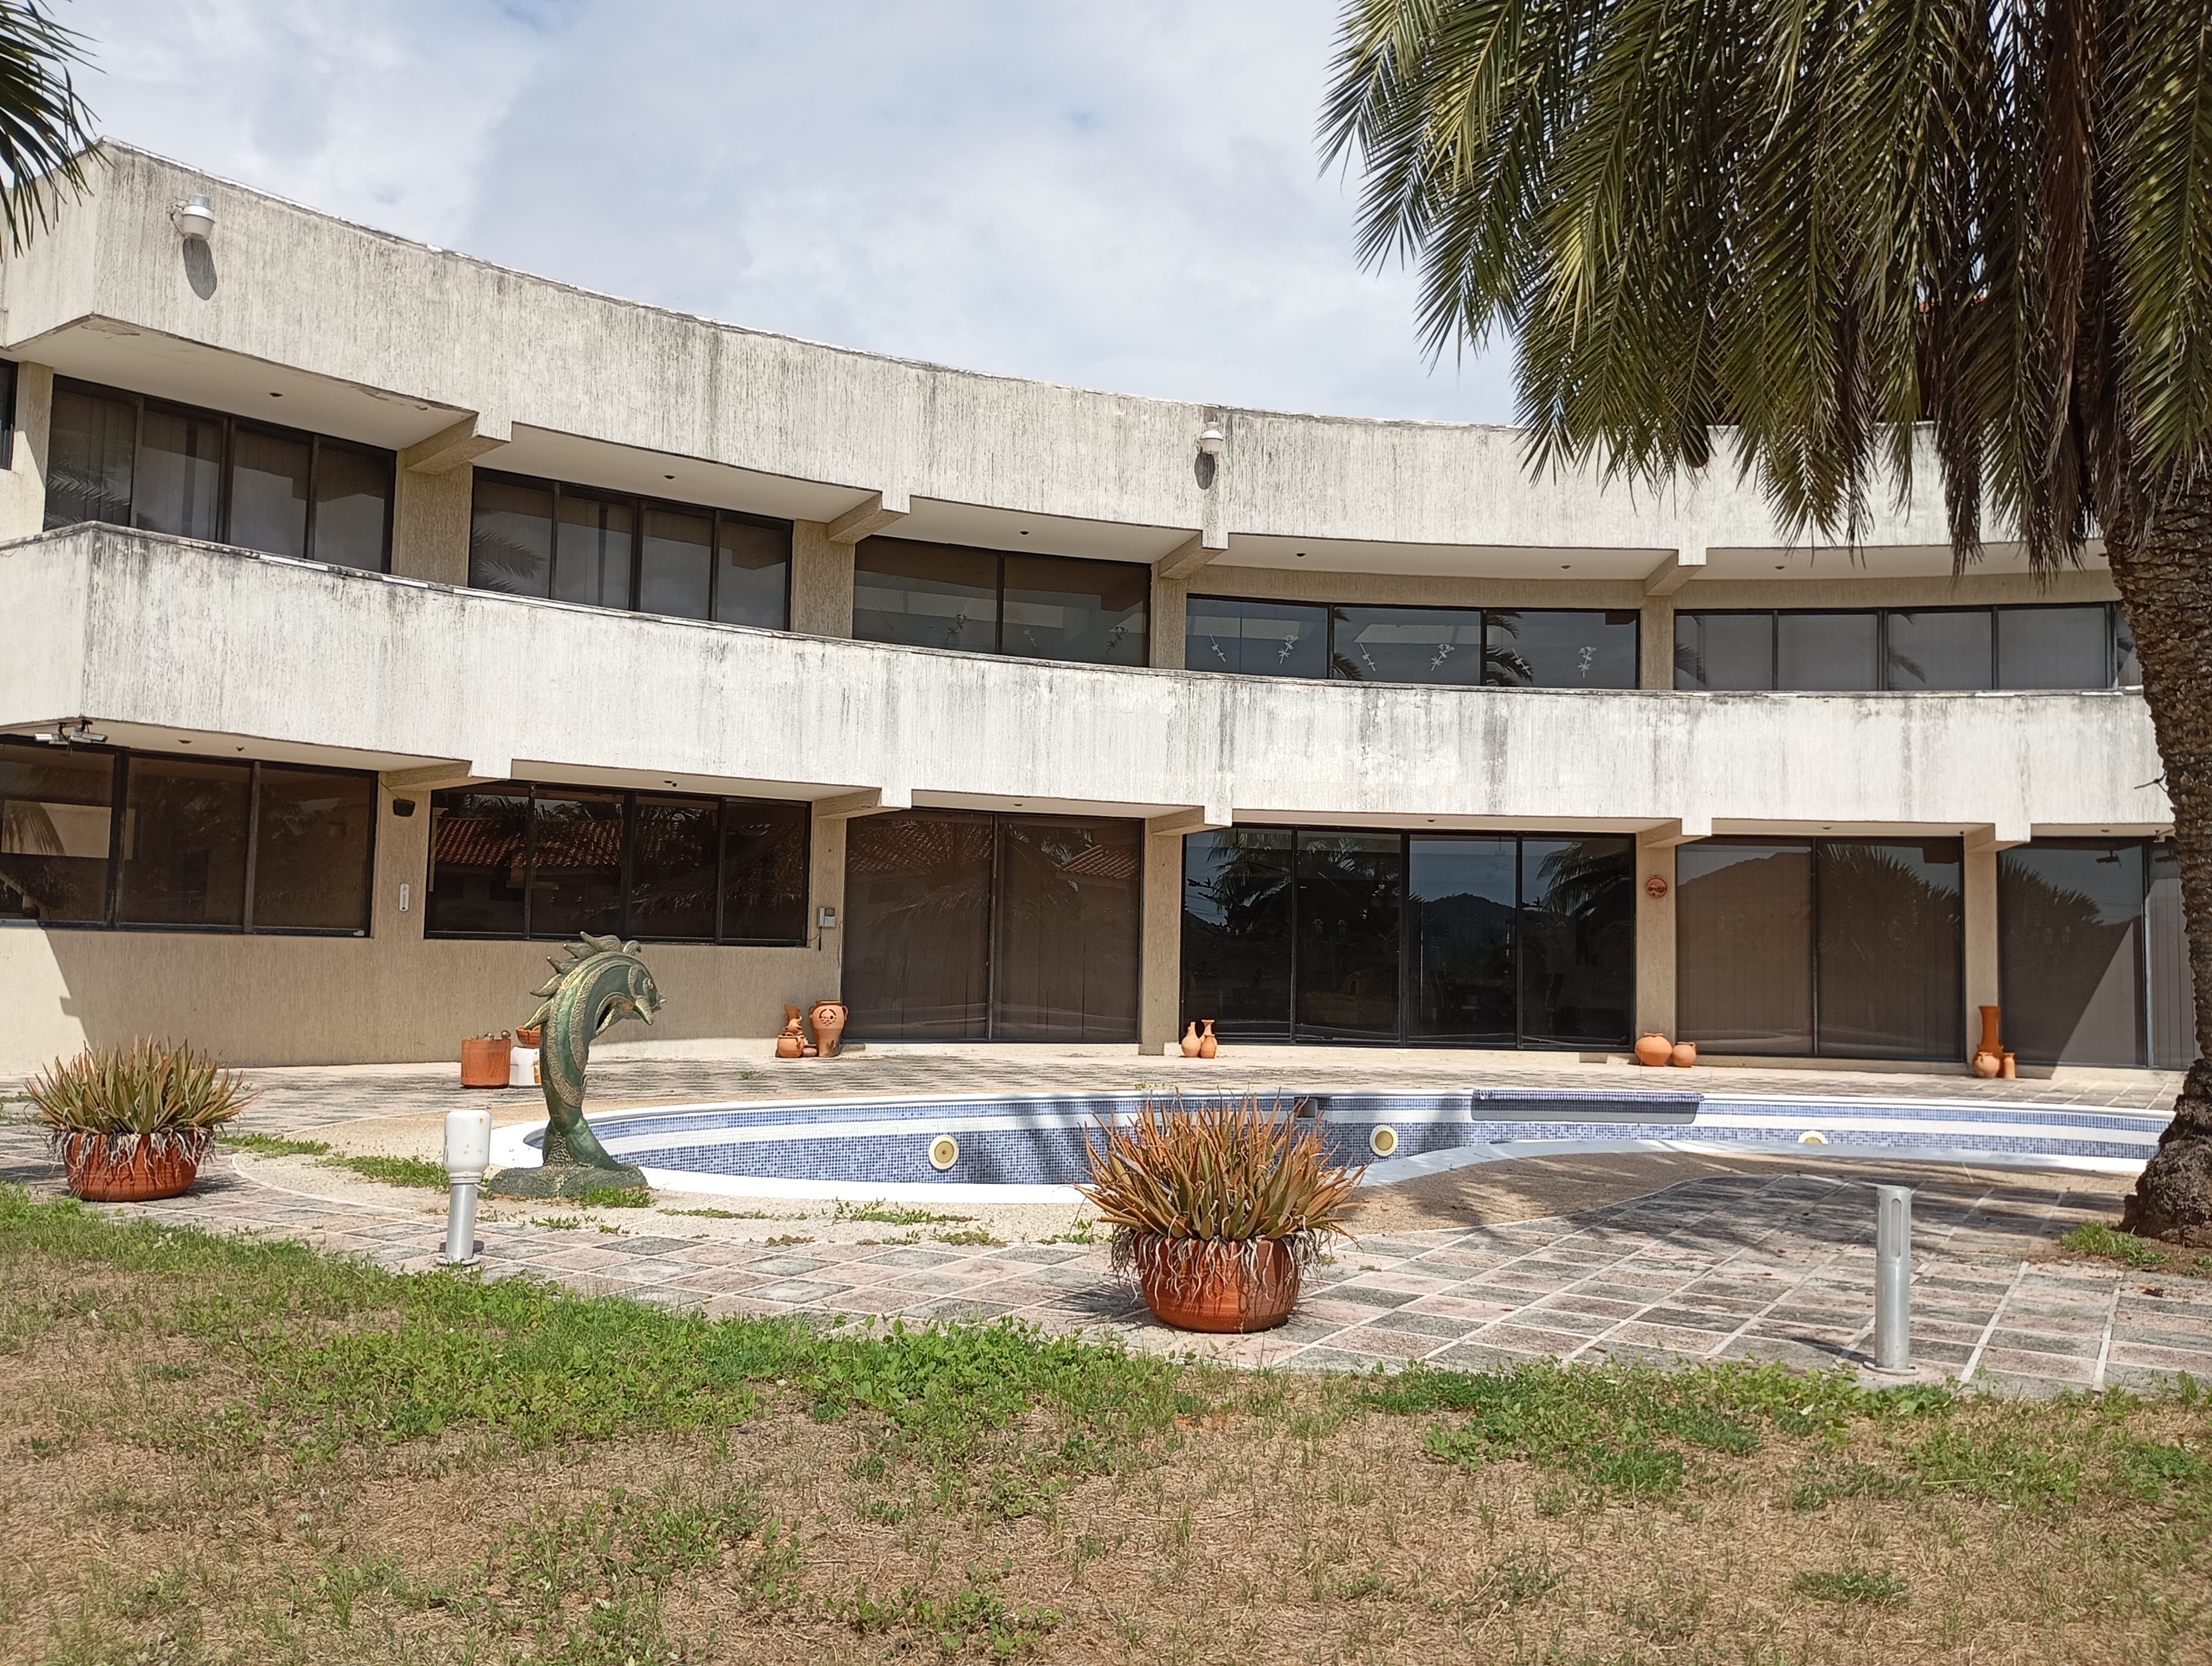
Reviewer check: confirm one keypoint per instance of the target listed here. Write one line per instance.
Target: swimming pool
(1028, 1147)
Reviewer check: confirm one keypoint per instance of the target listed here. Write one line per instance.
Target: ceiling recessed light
(276, 396)
(668, 477)
(1026, 531)
(1779, 568)
(1566, 567)
(1301, 554)
(181, 741)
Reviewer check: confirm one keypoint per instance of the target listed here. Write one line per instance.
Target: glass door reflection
(1461, 895)
(1350, 890)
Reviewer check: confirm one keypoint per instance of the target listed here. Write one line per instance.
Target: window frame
(1481, 614)
(629, 795)
(999, 557)
(119, 815)
(315, 442)
(640, 505)
(2115, 620)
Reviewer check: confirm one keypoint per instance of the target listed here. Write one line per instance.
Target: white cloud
(1119, 196)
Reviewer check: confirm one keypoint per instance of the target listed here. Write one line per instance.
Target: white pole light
(468, 1154)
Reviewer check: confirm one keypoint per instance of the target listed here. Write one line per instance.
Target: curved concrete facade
(455, 364)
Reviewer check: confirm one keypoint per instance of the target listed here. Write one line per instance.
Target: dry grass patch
(225, 1452)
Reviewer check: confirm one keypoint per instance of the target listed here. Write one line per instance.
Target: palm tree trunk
(2165, 581)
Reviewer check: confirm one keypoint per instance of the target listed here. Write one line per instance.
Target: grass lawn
(219, 1450)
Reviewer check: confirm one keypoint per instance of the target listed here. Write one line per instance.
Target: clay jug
(1207, 1046)
(792, 1044)
(1684, 1054)
(1190, 1043)
(829, 1017)
(2008, 1066)
(1989, 1042)
(1652, 1048)
(1987, 1064)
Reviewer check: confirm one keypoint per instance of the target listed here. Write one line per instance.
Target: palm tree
(1843, 236)
(45, 127)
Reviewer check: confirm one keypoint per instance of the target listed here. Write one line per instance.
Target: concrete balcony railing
(154, 635)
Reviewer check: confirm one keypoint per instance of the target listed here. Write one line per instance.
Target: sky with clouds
(1124, 195)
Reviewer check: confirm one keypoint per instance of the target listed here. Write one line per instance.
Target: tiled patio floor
(1728, 1266)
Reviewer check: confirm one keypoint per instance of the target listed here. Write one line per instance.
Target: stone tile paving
(1728, 1266)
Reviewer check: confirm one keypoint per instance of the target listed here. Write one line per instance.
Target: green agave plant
(1187, 1187)
(152, 1090)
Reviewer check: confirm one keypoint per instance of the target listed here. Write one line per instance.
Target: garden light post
(468, 1154)
(1893, 1289)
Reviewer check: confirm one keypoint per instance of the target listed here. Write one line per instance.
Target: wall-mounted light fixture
(194, 217)
(1211, 438)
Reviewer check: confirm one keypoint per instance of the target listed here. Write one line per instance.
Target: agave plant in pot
(130, 1125)
(1218, 1208)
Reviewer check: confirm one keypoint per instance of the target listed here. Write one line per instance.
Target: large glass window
(964, 926)
(575, 544)
(2037, 646)
(133, 461)
(986, 601)
(1459, 939)
(2093, 966)
(1844, 948)
(1530, 648)
(519, 860)
(93, 835)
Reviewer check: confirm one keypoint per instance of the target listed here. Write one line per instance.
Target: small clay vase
(1684, 1054)
(792, 1044)
(828, 1018)
(2010, 1070)
(1190, 1041)
(1987, 1065)
(1207, 1046)
(1653, 1048)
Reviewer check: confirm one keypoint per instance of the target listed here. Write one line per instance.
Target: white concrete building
(426, 612)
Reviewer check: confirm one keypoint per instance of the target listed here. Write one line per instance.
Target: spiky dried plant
(164, 1096)
(1187, 1187)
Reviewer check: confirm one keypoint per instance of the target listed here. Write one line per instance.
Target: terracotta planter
(1653, 1048)
(526, 1035)
(1987, 1064)
(1226, 1292)
(1989, 1043)
(1207, 1046)
(1190, 1041)
(829, 1018)
(791, 1043)
(486, 1061)
(1684, 1054)
(105, 1168)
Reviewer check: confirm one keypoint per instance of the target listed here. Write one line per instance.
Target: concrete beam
(1194, 552)
(432, 776)
(1677, 570)
(463, 442)
(868, 517)
(1997, 835)
(1685, 830)
(868, 801)
(1202, 818)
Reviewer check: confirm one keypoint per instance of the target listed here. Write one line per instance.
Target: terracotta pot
(1228, 1293)
(828, 1018)
(526, 1035)
(792, 1044)
(2010, 1071)
(1684, 1054)
(486, 1061)
(1653, 1048)
(123, 1169)
(1987, 1064)
(1989, 1042)
(1207, 1046)
(1190, 1041)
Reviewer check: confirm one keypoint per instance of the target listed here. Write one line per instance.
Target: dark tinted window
(1256, 637)
(1562, 648)
(1236, 930)
(2053, 648)
(674, 866)
(576, 863)
(1065, 948)
(1351, 889)
(1938, 648)
(312, 833)
(2070, 920)
(592, 550)
(1577, 940)
(1724, 651)
(1834, 651)
(353, 506)
(479, 863)
(511, 537)
(1743, 945)
(90, 451)
(269, 491)
(676, 569)
(56, 813)
(1406, 644)
(184, 844)
(928, 595)
(1056, 607)
(752, 574)
(918, 925)
(180, 479)
(1461, 898)
(764, 871)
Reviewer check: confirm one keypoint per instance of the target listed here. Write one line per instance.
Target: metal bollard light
(468, 1154)
(1893, 1290)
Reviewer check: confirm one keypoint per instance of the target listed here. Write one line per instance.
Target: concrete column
(821, 582)
(1159, 988)
(23, 482)
(1168, 615)
(402, 857)
(431, 517)
(1656, 644)
(1655, 936)
(1978, 906)
(826, 888)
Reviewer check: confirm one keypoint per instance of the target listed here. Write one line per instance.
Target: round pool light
(1384, 1142)
(943, 1153)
